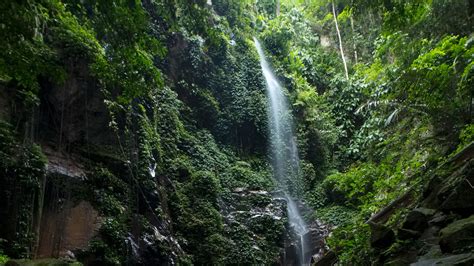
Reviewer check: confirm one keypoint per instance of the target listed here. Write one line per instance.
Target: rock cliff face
(438, 226)
(82, 200)
(71, 210)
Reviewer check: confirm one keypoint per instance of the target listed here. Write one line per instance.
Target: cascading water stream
(284, 151)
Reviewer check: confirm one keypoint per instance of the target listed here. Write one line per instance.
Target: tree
(340, 41)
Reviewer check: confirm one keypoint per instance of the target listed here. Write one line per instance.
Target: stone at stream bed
(458, 236)
(258, 219)
(328, 259)
(466, 259)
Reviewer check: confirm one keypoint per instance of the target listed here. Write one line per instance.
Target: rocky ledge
(437, 228)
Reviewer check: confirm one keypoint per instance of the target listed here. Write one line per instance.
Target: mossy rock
(456, 193)
(458, 236)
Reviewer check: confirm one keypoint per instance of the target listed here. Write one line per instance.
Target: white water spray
(284, 150)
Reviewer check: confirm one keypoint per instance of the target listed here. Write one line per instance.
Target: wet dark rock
(466, 259)
(316, 245)
(258, 217)
(397, 257)
(79, 105)
(381, 236)
(460, 198)
(12, 263)
(430, 236)
(417, 219)
(405, 234)
(317, 235)
(453, 193)
(441, 219)
(399, 261)
(458, 236)
(433, 251)
(150, 249)
(290, 254)
(328, 259)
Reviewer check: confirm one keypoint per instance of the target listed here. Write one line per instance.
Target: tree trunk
(354, 44)
(277, 9)
(356, 58)
(340, 41)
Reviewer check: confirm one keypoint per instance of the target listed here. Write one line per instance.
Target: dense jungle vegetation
(161, 104)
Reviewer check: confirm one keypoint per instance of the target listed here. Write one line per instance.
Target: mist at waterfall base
(284, 151)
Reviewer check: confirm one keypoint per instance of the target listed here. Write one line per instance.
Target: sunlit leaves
(403, 14)
(437, 75)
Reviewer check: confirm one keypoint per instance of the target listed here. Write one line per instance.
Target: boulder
(441, 219)
(417, 219)
(458, 236)
(381, 236)
(290, 256)
(328, 259)
(458, 193)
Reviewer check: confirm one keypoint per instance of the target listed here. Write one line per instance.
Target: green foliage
(466, 137)
(26, 54)
(400, 111)
(61, 36)
(439, 73)
(234, 11)
(367, 187)
(242, 247)
(267, 226)
(184, 90)
(113, 231)
(207, 184)
(351, 243)
(194, 207)
(347, 98)
(243, 175)
(277, 36)
(102, 251)
(21, 174)
(111, 196)
(166, 119)
(336, 215)
(208, 175)
(317, 197)
(3, 258)
(267, 7)
(356, 185)
(107, 192)
(405, 13)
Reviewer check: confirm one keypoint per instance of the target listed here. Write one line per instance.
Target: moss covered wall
(141, 120)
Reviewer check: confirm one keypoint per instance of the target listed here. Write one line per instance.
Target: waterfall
(284, 151)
